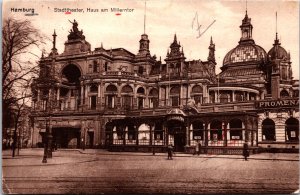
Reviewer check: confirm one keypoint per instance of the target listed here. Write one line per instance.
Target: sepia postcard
(150, 97)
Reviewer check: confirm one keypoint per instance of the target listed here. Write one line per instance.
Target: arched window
(216, 130)
(198, 130)
(197, 89)
(127, 89)
(140, 97)
(127, 93)
(153, 98)
(292, 129)
(110, 96)
(235, 128)
(94, 88)
(175, 96)
(111, 88)
(197, 94)
(284, 94)
(268, 130)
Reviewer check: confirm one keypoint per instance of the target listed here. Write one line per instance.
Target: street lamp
(48, 136)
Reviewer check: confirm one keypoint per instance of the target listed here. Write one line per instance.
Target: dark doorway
(179, 142)
(91, 139)
(177, 129)
(66, 137)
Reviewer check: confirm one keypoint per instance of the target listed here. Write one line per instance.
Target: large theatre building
(114, 99)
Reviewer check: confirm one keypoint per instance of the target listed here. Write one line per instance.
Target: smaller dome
(281, 53)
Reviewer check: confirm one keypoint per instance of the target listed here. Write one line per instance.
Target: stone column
(233, 96)
(57, 94)
(216, 98)
(181, 96)
(224, 133)
(187, 132)
(167, 96)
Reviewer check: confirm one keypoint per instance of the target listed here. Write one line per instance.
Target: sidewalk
(34, 156)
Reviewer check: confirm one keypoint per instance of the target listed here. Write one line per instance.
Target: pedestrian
(245, 151)
(170, 151)
(199, 148)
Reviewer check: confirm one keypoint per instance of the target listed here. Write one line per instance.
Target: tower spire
(276, 28)
(145, 18)
(211, 53)
(246, 8)
(54, 39)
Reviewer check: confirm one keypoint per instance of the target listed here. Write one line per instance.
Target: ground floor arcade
(216, 132)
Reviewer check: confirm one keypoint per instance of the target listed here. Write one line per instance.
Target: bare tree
(20, 43)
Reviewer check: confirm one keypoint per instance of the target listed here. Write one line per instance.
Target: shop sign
(277, 103)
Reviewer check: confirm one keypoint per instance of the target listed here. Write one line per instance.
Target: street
(99, 171)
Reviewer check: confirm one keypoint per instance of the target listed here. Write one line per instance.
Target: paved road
(104, 172)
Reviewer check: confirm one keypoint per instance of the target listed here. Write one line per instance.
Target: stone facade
(114, 99)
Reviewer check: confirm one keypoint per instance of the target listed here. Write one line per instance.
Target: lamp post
(48, 136)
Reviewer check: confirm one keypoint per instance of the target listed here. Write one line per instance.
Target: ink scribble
(195, 19)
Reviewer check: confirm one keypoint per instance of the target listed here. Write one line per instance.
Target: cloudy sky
(164, 19)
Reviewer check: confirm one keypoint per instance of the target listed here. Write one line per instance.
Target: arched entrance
(177, 133)
(268, 130)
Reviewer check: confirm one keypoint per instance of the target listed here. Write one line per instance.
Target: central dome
(245, 53)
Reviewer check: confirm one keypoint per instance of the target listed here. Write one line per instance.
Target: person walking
(170, 151)
(245, 151)
(199, 148)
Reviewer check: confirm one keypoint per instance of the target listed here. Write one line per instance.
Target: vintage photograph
(150, 97)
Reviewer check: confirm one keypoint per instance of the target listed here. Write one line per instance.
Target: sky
(218, 19)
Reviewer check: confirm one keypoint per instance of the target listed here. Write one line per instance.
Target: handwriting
(198, 27)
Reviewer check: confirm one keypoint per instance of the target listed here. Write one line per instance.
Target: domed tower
(279, 68)
(144, 61)
(244, 63)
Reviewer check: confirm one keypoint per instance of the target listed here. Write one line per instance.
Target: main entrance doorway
(176, 129)
(66, 137)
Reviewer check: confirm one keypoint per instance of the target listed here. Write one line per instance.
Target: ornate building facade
(114, 99)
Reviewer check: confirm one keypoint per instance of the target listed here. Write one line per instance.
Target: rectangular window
(93, 102)
(110, 101)
(140, 102)
(175, 101)
(127, 102)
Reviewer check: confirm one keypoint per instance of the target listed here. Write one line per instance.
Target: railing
(162, 109)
